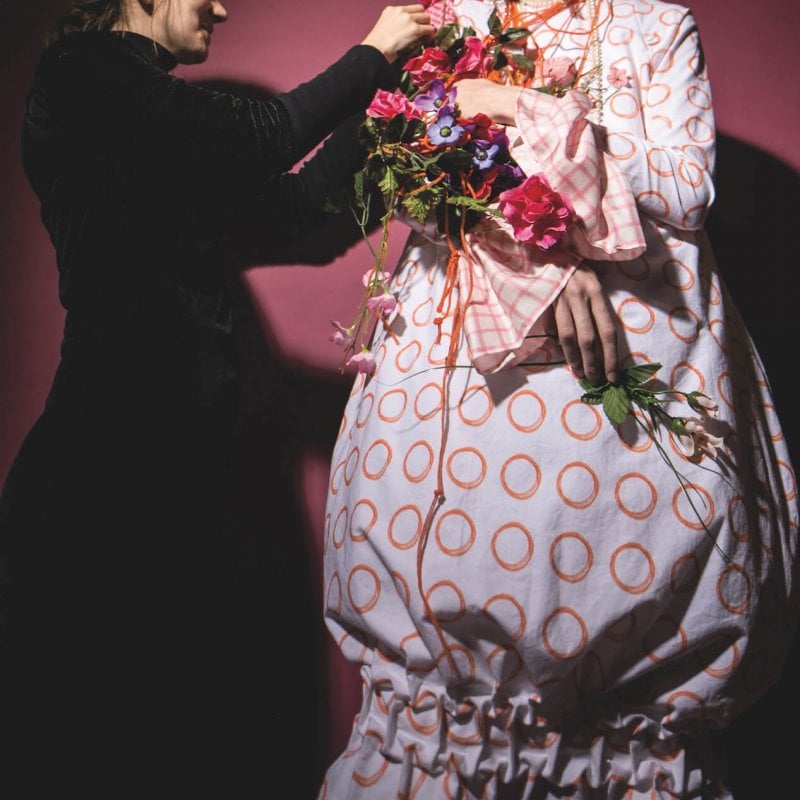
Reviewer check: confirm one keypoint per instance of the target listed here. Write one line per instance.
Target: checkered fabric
(504, 285)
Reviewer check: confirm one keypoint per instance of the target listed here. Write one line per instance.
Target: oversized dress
(537, 605)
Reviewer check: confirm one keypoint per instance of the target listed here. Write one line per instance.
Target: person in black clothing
(127, 656)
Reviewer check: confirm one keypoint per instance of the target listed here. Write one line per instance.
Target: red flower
(475, 61)
(387, 105)
(539, 215)
(432, 64)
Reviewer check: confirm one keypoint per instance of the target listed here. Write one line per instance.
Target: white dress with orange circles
(568, 623)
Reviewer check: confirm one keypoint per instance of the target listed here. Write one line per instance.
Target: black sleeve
(203, 147)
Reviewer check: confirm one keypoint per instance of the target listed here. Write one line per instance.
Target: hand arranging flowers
(433, 165)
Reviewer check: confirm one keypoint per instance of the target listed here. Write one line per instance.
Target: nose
(219, 11)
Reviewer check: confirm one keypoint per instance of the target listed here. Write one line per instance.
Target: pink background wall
(753, 62)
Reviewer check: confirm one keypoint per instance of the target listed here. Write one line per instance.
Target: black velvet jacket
(153, 190)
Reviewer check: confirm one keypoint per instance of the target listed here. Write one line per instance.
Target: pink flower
(374, 278)
(432, 64)
(559, 72)
(539, 215)
(702, 403)
(475, 60)
(382, 304)
(618, 78)
(387, 105)
(341, 336)
(363, 362)
(695, 439)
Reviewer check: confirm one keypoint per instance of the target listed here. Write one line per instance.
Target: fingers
(399, 27)
(586, 328)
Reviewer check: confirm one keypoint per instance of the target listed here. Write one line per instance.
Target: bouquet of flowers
(435, 166)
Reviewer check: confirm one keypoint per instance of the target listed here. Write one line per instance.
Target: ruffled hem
(433, 748)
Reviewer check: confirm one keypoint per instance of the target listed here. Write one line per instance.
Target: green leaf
(513, 34)
(388, 184)
(495, 25)
(592, 398)
(446, 36)
(415, 128)
(639, 373)
(590, 387)
(455, 160)
(616, 404)
(500, 60)
(468, 202)
(396, 128)
(358, 188)
(418, 206)
(523, 62)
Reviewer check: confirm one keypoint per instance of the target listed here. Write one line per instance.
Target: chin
(192, 56)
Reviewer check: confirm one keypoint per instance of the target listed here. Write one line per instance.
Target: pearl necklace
(593, 84)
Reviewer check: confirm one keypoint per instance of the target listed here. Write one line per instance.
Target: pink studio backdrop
(753, 62)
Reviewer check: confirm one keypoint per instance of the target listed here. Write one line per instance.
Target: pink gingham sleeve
(556, 132)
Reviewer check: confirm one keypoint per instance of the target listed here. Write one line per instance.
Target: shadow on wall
(753, 230)
(288, 413)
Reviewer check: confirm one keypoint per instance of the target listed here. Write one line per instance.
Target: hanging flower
(363, 362)
(702, 403)
(539, 215)
(695, 438)
(382, 304)
(341, 336)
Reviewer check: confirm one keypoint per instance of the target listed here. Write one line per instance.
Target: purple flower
(436, 99)
(483, 153)
(445, 130)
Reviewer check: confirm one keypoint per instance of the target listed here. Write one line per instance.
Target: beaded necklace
(591, 80)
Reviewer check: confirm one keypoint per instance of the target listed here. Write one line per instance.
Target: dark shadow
(752, 228)
(287, 414)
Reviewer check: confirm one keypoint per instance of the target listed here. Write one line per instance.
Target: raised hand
(399, 27)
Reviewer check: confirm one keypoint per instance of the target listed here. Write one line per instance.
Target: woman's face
(184, 27)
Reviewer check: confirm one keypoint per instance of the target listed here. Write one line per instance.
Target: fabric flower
(363, 362)
(539, 215)
(382, 303)
(387, 105)
(375, 278)
(702, 403)
(475, 60)
(445, 130)
(559, 72)
(437, 98)
(484, 153)
(341, 336)
(427, 67)
(695, 438)
(618, 78)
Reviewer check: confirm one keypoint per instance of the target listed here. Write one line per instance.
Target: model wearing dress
(568, 623)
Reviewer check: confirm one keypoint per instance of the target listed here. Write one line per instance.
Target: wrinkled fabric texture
(133, 648)
(576, 619)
